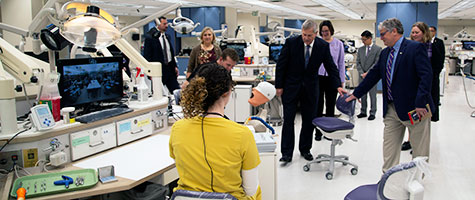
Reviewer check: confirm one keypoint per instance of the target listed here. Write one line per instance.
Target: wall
(231, 20)
(16, 13)
(248, 20)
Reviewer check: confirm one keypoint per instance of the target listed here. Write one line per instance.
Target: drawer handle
(141, 130)
(97, 144)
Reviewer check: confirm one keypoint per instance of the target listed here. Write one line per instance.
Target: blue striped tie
(388, 74)
(307, 55)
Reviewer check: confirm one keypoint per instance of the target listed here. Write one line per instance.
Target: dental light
(182, 24)
(89, 27)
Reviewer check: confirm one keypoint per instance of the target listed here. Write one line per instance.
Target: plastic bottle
(50, 95)
(142, 89)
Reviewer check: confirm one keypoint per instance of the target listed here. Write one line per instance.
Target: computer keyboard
(102, 114)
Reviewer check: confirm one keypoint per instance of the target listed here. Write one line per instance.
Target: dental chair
(403, 181)
(336, 130)
(193, 195)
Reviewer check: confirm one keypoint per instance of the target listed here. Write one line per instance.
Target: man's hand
(350, 98)
(176, 71)
(364, 74)
(421, 112)
(279, 92)
(341, 91)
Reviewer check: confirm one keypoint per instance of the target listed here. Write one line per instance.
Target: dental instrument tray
(55, 183)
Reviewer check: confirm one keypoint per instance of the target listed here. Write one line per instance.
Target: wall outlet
(58, 159)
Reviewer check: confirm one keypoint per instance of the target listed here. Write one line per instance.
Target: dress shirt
(396, 53)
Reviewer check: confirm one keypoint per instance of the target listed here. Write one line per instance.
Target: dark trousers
(326, 95)
(169, 78)
(435, 93)
(308, 111)
(327, 92)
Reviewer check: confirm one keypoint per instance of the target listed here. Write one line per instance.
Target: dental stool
(192, 195)
(337, 130)
(403, 181)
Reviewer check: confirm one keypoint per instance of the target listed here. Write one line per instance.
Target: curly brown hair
(209, 84)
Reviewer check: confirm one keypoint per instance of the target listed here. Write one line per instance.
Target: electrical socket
(58, 159)
(6, 159)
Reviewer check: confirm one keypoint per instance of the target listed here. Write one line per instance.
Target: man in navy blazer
(157, 48)
(406, 74)
(297, 82)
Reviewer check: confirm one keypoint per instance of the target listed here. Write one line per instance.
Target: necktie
(388, 74)
(307, 55)
(165, 51)
(367, 50)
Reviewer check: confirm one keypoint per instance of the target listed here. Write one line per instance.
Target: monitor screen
(239, 47)
(90, 80)
(467, 45)
(274, 52)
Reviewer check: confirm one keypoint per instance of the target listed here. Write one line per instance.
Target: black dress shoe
(361, 115)
(371, 117)
(318, 135)
(286, 159)
(406, 146)
(307, 156)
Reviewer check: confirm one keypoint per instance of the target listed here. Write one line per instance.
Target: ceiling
(291, 9)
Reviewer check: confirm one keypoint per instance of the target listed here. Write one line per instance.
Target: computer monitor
(238, 46)
(90, 80)
(274, 52)
(468, 45)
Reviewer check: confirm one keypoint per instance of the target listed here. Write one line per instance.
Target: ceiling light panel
(459, 6)
(280, 8)
(334, 5)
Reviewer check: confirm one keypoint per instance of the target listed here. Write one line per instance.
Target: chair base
(332, 158)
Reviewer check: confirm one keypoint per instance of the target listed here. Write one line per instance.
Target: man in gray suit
(368, 56)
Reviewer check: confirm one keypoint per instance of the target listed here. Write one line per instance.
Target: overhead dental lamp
(182, 24)
(89, 27)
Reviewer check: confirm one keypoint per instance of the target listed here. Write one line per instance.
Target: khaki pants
(394, 130)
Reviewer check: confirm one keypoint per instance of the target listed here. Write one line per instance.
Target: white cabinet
(238, 109)
(134, 128)
(91, 141)
(268, 175)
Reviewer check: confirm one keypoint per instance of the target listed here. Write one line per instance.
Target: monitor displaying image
(274, 52)
(239, 47)
(90, 80)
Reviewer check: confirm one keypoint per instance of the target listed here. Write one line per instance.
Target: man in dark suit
(368, 56)
(297, 81)
(406, 74)
(157, 48)
(437, 60)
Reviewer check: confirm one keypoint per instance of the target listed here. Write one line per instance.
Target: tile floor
(452, 144)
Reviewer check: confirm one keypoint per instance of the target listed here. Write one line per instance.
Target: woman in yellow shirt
(212, 153)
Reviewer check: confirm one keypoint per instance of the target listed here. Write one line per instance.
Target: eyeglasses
(382, 34)
(364, 39)
(325, 31)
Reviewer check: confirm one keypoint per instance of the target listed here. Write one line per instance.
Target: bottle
(50, 95)
(142, 89)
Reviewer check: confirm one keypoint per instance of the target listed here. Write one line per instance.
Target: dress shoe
(307, 156)
(361, 115)
(286, 159)
(371, 117)
(406, 146)
(318, 135)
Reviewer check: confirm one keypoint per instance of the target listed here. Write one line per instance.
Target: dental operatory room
(237, 99)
